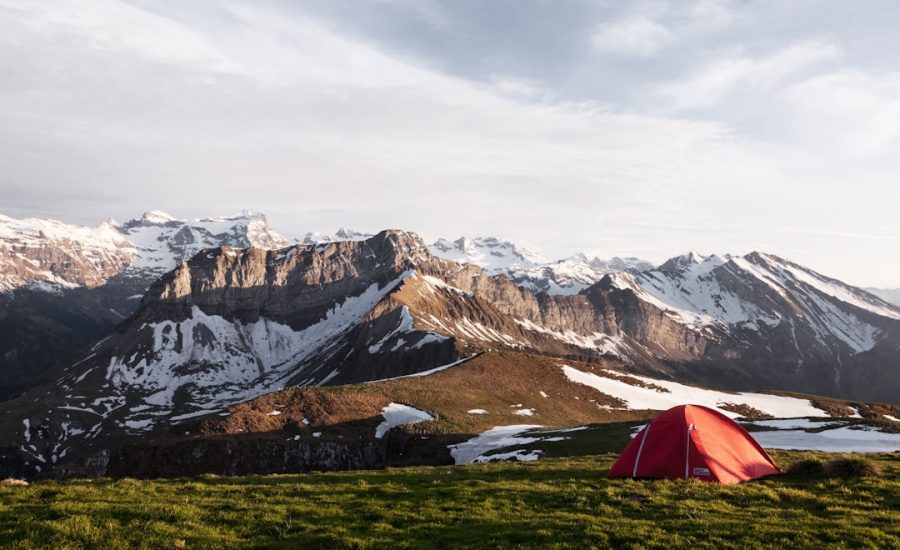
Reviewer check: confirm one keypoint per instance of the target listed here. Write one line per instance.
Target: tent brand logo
(701, 471)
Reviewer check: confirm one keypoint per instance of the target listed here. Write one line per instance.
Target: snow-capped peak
(693, 263)
(345, 234)
(617, 263)
(342, 234)
(490, 253)
(36, 251)
(566, 276)
(163, 241)
(110, 223)
(157, 217)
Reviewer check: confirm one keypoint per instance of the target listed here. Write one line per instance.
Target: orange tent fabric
(694, 441)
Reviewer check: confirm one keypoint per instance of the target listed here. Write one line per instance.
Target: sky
(612, 128)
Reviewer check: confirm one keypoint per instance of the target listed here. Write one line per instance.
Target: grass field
(558, 502)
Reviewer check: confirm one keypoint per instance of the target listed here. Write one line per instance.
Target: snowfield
(638, 398)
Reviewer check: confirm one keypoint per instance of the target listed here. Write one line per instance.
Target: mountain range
(134, 334)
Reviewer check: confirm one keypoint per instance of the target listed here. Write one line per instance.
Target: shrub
(852, 467)
(806, 467)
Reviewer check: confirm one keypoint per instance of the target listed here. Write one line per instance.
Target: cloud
(848, 113)
(737, 73)
(207, 107)
(274, 122)
(635, 36)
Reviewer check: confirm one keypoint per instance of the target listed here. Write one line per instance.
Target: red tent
(694, 441)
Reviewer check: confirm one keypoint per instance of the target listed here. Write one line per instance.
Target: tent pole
(637, 459)
(687, 451)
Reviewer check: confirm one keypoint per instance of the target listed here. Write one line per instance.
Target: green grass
(563, 502)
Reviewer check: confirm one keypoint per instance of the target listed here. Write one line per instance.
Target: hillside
(483, 404)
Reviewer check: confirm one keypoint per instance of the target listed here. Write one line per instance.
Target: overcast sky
(613, 128)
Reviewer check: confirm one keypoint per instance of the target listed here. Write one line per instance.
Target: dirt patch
(631, 380)
(301, 409)
(745, 411)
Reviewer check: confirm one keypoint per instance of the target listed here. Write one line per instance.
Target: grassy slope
(496, 382)
(559, 502)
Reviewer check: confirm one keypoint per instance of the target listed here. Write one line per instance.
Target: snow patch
(396, 414)
(495, 438)
(519, 455)
(639, 398)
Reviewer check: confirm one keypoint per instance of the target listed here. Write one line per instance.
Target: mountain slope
(779, 323)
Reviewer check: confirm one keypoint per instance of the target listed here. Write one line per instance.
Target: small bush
(852, 467)
(806, 467)
(13, 482)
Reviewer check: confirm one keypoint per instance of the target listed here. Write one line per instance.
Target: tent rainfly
(694, 441)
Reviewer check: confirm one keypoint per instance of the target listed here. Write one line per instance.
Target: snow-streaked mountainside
(63, 286)
(527, 269)
(890, 295)
(759, 292)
